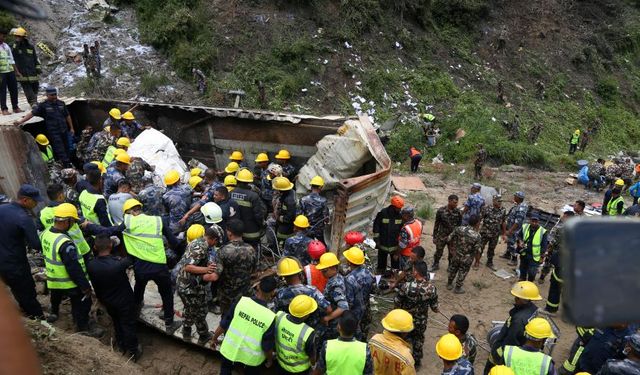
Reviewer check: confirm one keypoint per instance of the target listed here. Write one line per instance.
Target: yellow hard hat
(230, 180)
(449, 347)
(301, 221)
(526, 290)
(232, 167)
(538, 329)
(128, 116)
(194, 181)
(327, 260)
(281, 184)
(115, 113)
(130, 203)
(398, 320)
(288, 266)
(195, 172)
(101, 167)
(119, 151)
(502, 370)
(123, 158)
(262, 157)
(171, 177)
(619, 182)
(236, 156)
(577, 131)
(283, 154)
(42, 140)
(354, 255)
(579, 373)
(66, 211)
(244, 175)
(302, 305)
(123, 141)
(317, 181)
(194, 232)
(20, 31)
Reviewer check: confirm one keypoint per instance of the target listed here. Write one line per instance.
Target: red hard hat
(397, 201)
(352, 238)
(316, 249)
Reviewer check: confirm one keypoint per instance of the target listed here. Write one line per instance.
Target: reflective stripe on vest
(524, 362)
(47, 155)
(414, 230)
(57, 275)
(291, 339)
(345, 357)
(5, 66)
(243, 340)
(536, 242)
(612, 206)
(88, 204)
(109, 155)
(574, 139)
(143, 238)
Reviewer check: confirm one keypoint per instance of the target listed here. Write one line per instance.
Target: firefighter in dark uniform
(252, 210)
(386, 229)
(24, 54)
(285, 208)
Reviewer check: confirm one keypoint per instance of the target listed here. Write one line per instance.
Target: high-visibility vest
(57, 275)
(243, 340)
(291, 339)
(524, 362)
(88, 204)
(47, 155)
(612, 206)
(143, 238)
(345, 357)
(109, 155)
(315, 277)
(5, 66)
(413, 152)
(537, 240)
(47, 217)
(574, 139)
(414, 230)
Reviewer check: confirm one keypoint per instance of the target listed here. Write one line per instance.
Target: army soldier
(493, 226)
(465, 245)
(447, 219)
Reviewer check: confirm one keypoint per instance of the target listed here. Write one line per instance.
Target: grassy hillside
(398, 58)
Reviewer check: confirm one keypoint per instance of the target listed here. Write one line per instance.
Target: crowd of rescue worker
(206, 234)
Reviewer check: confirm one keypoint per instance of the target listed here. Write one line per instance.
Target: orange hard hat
(397, 201)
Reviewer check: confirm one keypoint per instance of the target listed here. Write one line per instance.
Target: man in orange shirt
(409, 234)
(313, 275)
(415, 156)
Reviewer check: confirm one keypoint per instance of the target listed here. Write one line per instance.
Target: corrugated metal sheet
(21, 161)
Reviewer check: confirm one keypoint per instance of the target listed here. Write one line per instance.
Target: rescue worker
(116, 173)
(122, 143)
(249, 332)
(512, 332)
(101, 141)
(314, 207)
(238, 157)
(26, 59)
(206, 194)
(464, 245)
(16, 231)
(474, 204)
(296, 245)
(359, 281)
(295, 349)
(151, 197)
(459, 326)
(493, 226)
(479, 162)
(108, 274)
(143, 241)
(533, 242)
(284, 208)
(577, 348)
(390, 351)
(262, 162)
(606, 343)
(596, 173)
(553, 254)
(8, 73)
(415, 156)
(617, 184)
(449, 349)
(504, 370)
(57, 122)
(130, 127)
(92, 202)
(252, 210)
(386, 229)
(228, 206)
(136, 173)
(410, 233)
(114, 118)
(335, 292)
(232, 168)
(283, 157)
(69, 180)
(176, 200)
(266, 188)
(573, 141)
(447, 219)
(230, 182)
(628, 366)
(615, 206)
(45, 148)
(515, 218)
(529, 359)
(344, 354)
(314, 276)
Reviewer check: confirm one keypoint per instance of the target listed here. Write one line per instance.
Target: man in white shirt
(116, 201)
(8, 72)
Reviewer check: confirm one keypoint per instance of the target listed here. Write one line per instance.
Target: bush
(464, 13)
(402, 138)
(607, 89)
(150, 82)
(7, 21)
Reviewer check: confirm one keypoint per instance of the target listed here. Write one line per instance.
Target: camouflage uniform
(336, 293)
(446, 221)
(474, 204)
(285, 295)
(176, 202)
(612, 173)
(462, 367)
(237, 260)
(365, 283)
(296, 247)
(266, 191)
(71, 195)
(151, 199)
(55, 170)
(111, 180)
(82, 151)
(620, 367)
(595, 173)
(492, 220)
(470, 347)
(314, 207)
(481, 158)
(466, 245)
(99, 144)
(191, 287)
(516, 215)
(417, 297)
(135, 173)
(289, 171)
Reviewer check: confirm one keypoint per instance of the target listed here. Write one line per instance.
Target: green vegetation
(150, 82)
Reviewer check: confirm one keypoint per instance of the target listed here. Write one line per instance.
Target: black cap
(30, 191)
(89, 166)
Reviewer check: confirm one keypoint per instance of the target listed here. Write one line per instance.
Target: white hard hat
(212, 213)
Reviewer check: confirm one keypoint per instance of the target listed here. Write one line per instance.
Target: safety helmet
(42, 140)
(302, 305)
(130, 203)
(20, 31)
(236, 156)
(230, 180)
(232, 167)
(354, 255)
(281, 184)
(275, 169)
(577, 132)
(244, 175)
(212, 213)
(317, 181)
(101, 167)
(619, 182)
(288, 266)
(504, 370)
(171, 177)
(123, 158)
(124, 142)
(119, 151)
(353, 237)
(283, 155)
(115, 113)
(397, 201)
(526, 290)
(194, 181)
(262, 157)
(538, 329)
(327, 260)
(66, 211)
(449, 347)
(195, 172)
(579, 373)
(301, 221)
(398, 320)
(128, 116)
(195, 231)
(316, 249)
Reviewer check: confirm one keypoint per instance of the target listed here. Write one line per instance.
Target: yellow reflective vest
(345, 357)
(537, 239)
(88, 204)
(291, 339)
(524, 362)
(143, 238)
(47, 217)
(57, 275)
